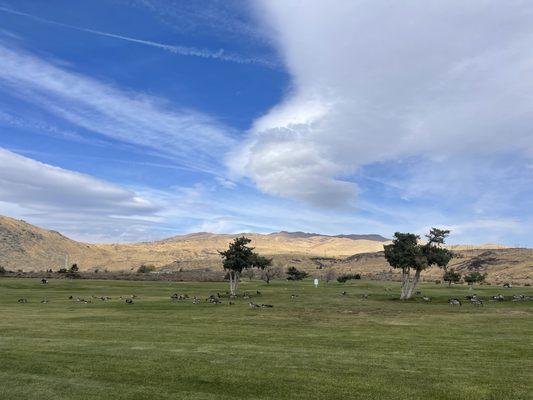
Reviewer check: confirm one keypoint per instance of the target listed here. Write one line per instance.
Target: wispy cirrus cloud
(228, 18)
(219, 54)
(191, 138)
(14, 121)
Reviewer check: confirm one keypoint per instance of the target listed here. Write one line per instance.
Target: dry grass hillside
(500, 264)
(29, 248)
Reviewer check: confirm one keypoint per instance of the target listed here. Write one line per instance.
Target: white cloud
(226, 20)
(377, 81)
(11, 120)
(193, 139)
(176, 49)
(225, 183)
(83, 206)
(44, 187)
(495, 231)
(89, 209)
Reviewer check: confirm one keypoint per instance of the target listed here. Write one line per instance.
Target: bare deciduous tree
(270, 273)
(329, 275)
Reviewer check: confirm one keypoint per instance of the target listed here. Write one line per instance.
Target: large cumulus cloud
(379, 81)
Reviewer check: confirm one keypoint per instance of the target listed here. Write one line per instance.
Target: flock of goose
(478, 301)
(229, 298)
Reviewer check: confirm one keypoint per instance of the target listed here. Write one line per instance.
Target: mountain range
(25, 247)
(29, 248)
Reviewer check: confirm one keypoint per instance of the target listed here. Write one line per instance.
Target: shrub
(2, 271)
(270, 273)
(294, 274)
(329, 275)
(347, 277)
(62, 271)
(451, 276)
(474, 277)
(144, 269)
(73, 272)
(437, 282)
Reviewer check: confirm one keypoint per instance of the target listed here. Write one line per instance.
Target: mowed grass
(320, 345)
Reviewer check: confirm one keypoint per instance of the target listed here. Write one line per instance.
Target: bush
(474, 277)
(347, 277)
(73, 272)
(293, 274)
(62, 271)
(2, 271)
(437, 282)
(145, 269)
(451, 276)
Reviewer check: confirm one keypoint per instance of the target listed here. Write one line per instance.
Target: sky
(136, 120)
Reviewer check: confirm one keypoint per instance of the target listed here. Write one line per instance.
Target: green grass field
(319, 346)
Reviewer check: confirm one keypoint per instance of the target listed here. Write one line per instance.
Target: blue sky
(127, 120)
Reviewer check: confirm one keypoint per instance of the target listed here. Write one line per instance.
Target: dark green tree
(474, 277)
(145, 269)
(240, 257)
(73, 272)
(451, 276)
(294, 274)
(407, 254)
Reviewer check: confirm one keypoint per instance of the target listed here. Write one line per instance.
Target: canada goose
(498, 297)
(476, 301)
(454, 302)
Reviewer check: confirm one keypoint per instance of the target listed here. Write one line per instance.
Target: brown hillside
(29, 248)
(501, 265)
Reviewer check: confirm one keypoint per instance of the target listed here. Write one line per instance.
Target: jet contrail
(180, 50)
